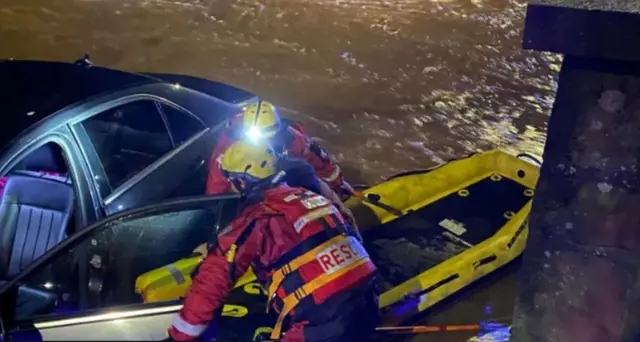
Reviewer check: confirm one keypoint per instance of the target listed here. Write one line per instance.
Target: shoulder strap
(231, 254)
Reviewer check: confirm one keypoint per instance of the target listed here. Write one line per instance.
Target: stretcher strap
(294, 298)
(278, 276)
(175, 273)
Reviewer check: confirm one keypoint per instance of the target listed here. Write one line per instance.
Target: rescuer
(261, 123)
(317, 274)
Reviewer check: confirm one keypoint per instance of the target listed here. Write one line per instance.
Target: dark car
(81, 142)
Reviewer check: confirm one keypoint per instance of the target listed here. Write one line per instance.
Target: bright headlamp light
(254, 133)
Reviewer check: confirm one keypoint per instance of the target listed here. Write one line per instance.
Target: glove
(203, 250)
(344, 191)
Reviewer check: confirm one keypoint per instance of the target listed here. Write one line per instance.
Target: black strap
(239, 242)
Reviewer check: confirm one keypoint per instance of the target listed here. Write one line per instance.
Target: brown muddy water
(387, 85)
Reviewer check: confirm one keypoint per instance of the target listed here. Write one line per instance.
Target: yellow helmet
(261, 120)
(249, 162)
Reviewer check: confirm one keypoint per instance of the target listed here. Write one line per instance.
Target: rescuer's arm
(216, 182)
(299, 174)
(317, 157)
(212, 283)
(326, 191)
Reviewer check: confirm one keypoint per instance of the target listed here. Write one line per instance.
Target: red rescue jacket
(298, 245)
(294, 141)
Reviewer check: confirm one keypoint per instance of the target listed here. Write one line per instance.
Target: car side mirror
(22, 302)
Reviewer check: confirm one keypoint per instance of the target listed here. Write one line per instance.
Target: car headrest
(40, 192)
(45, 158)
(64, 178)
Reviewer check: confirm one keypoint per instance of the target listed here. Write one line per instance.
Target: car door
(193, 160)
(137, 156)
(91, 287)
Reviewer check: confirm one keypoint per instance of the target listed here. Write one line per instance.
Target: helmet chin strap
(278, 177)
(251, 192)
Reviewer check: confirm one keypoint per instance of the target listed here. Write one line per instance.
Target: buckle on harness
(334, 256)
(290, 302)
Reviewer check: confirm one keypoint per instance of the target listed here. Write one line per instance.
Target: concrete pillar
(580, 280)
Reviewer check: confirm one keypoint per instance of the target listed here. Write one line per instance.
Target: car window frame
(106, 193)
(174, 205)
(183, 111)
(76, 166)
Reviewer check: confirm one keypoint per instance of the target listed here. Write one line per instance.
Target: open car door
(89, 287)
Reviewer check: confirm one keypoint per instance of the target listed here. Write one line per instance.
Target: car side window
(182, 125)
(123, 262)
(128, 138)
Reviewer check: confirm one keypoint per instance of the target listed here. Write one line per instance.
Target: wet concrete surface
(387, 85)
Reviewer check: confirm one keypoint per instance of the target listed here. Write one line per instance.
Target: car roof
(32, 90)
(222, 91)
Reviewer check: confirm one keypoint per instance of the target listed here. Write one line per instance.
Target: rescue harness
(327, 261)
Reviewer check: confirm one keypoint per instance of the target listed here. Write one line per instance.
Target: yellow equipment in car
(172, 281)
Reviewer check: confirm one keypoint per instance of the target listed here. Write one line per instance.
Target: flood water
(387, 85)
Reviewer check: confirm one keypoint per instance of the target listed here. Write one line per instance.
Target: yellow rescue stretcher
(440, 216)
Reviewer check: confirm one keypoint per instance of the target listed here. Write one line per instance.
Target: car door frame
(86, 206)
(105, 193)
(106, 314)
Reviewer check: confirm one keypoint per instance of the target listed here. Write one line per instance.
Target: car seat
(35, 211)
(45, 158)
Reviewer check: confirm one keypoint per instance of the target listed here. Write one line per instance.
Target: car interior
(128, 136)
(36, 209)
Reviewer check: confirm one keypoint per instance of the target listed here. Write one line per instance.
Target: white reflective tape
(314, 202)
(334, 175)
(341, 255)
(187, 328)
(290, 198)
(313, 215)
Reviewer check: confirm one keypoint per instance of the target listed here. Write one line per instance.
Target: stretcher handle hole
(463, 193)
(528, 193)
(375, 198)
(496, 177)
(521, 173)
(509, 214)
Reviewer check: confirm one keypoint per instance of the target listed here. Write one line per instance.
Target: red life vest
(326, 260)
